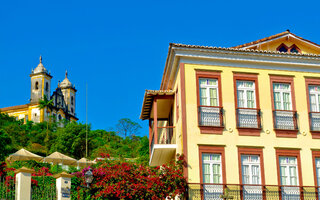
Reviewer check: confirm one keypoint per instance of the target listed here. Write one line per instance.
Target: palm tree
(45, 103)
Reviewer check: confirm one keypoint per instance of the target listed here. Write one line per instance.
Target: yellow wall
(231, 138)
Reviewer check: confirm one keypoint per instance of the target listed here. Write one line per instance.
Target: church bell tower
(40, 83)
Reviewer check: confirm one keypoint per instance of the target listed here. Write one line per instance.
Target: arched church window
(59, 117)
(72, 100)
(47, 87)
(72, 110)
(37, 85)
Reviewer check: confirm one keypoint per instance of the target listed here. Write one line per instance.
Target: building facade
(63, 99)
(246, 118)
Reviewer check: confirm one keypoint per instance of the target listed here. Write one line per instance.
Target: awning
(148, 100)
(23, 154)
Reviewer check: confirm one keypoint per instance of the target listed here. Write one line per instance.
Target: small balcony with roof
(157, 107)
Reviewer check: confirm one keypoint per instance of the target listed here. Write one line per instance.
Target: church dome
(40, 68)
(66, 82)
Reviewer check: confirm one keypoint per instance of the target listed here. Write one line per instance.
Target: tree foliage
(45, 138)
(126, 127)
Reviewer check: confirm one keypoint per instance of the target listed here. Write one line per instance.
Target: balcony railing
(314, 121)
(248, 118)
(166, 135)
(251, 192)
(285, 119)
(210, 116)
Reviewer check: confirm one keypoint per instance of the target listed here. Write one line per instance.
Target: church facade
(63, 97)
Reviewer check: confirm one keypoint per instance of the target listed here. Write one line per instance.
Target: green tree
(45, 103)
(5, 143)
(126, 127)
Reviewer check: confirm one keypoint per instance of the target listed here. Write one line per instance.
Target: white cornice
(234, 58)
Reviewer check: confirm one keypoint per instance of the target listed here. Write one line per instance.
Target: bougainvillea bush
(122, 180)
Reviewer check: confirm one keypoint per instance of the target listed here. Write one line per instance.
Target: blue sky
(119, 47)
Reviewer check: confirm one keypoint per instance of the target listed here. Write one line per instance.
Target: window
(289, 173)
(209, 102)
(251, 172)
(288, 170)
(72, 100)
(314, 95)
(316, 167)
(283, 104)
(47, 87)
(72, 110)
(292, 49)
(59, 117)
(212, 170)
(208, 92)
(313, 99)
(246, 94)
(247, 104)
(250, 169)
(283, 49)
(282, 96)
(37, 85)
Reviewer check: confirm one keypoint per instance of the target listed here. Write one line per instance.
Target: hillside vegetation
(47, 137)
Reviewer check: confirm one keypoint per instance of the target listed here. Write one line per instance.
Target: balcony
(250, 192)
(314, 124)
(285, 123)
(158, 108)
(210, 119)
(163, 148)
(248, 121)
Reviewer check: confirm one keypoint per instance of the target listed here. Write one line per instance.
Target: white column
(63, 184)
(23, 183)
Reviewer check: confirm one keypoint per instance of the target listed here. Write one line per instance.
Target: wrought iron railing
(314, 121)
(285, 119)
(7, 188)
(248, 118)
(251, 192)
(210, 116)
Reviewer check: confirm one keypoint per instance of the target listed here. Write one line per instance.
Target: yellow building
(63, 99)
(246, 118)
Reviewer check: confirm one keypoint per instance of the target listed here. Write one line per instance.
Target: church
(63, 99)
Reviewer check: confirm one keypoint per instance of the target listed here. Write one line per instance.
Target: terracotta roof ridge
(273, 37)
(14, 107)
(263, 39)
(241, 50)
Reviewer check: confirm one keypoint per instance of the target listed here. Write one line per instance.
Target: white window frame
(245, 89)
(282, 91)
(250, 165)
(287, 170)
(317, 170)
(211, 163)
(316, 93)
(208, 87)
